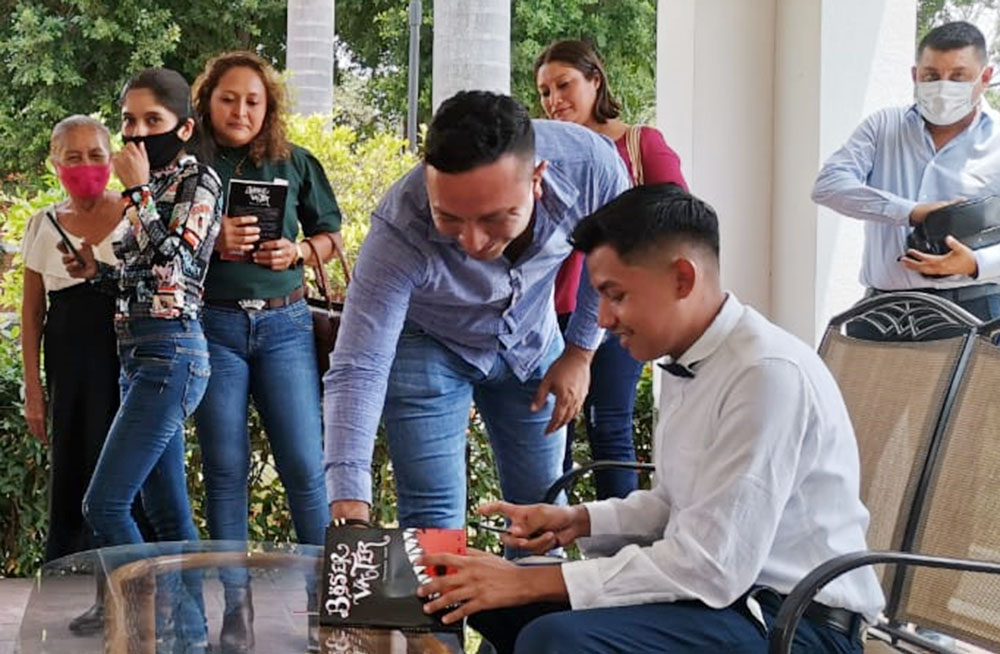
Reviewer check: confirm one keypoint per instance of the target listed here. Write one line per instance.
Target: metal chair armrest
(795, 604)
(568, 479)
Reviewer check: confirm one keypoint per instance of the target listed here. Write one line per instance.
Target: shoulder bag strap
(321, 281)
(633, 145)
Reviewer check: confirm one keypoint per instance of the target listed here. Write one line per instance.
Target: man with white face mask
(903, 162)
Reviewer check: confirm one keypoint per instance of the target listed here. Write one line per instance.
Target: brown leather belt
(259, 304)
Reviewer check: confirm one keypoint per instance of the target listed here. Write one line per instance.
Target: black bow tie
(677, 369)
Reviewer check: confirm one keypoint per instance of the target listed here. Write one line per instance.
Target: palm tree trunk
(471, 47)
(310, 55)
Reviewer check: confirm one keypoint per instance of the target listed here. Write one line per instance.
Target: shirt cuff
(987, 263)
(586, 337)
(134, 195)
(345, 481)
(901, 209)
(583, 583)
(603, 518)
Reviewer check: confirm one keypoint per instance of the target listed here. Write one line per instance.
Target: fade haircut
(954, 36)
(476, 128)
(647, 219)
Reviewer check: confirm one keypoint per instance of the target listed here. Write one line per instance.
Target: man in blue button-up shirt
(452, 301)
(904, 162)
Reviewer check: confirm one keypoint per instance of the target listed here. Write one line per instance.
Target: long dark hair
(581, 56)
(173, 92)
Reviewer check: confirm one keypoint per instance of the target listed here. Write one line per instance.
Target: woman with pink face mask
(75, 321)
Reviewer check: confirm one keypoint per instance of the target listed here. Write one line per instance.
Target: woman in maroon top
(573, 87)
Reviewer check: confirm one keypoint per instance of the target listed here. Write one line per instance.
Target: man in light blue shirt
(452, 302)
(904, 162)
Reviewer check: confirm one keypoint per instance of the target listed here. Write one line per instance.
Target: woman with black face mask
(173, 207)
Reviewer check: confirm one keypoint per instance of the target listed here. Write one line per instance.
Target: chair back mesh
(961, 513)
(894, 392)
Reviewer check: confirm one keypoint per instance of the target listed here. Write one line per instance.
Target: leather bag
(325, 310)
(976, 223)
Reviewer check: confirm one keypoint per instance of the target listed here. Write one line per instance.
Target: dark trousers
(607, 414)
(81, 374)
(676, 628)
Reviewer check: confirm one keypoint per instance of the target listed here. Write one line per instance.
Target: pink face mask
(84, 181)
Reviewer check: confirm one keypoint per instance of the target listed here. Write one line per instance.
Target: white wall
(868, 50)
(715, 79)
(754, 94)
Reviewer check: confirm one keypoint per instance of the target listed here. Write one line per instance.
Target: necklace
(238, 167)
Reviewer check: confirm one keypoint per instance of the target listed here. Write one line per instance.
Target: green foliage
(73, 56)
(361, 170)
(931, 13)
(376, 34)
(623, 31)
(23, 471)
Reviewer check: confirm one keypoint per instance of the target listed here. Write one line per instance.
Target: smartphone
(485, 526)
(67, 244)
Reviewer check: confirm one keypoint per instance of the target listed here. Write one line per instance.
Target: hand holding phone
(66, 246)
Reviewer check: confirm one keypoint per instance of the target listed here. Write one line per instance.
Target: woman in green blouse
(257, 323)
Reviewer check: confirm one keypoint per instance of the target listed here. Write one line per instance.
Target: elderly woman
(74, 320)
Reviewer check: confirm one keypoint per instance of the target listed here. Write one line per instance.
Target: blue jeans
(426, 416)
(164, 372)
(687, 627)
(608, 415)
(268, 355)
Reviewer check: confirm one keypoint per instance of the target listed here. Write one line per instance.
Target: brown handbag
(325, 310)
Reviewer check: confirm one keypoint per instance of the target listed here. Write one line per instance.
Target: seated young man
(756, 484)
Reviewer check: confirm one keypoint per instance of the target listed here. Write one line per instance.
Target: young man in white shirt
(757, 473)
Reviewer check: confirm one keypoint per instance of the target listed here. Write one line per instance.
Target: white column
(715, 107)
(754, 94)
(868, 51)
(309, 59)
(471, 47)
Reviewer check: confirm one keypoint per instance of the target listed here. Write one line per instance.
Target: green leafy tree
(72, 56)
(375, 34)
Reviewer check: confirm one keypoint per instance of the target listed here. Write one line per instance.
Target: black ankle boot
(236, 636)
(91, 621)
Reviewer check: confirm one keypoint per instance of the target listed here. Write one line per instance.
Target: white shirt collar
(716, 334)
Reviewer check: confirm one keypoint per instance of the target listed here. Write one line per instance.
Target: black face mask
(160, 148)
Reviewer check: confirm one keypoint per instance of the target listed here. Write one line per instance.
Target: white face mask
(944, 102)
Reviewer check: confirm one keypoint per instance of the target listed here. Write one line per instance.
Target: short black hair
(476, 128)
(954, 36)
(647, 218)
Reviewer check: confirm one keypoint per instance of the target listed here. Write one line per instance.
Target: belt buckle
(255, 304)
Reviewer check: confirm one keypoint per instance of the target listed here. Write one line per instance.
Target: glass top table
(143, 579)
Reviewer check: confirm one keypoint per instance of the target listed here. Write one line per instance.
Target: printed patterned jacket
(166, 243)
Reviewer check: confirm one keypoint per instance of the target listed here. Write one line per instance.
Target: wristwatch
(300, 258)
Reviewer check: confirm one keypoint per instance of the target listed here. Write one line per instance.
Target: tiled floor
(280, 623)
(13, 597)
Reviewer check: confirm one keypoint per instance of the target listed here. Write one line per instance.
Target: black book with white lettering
(370, 577)
(266, 200)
